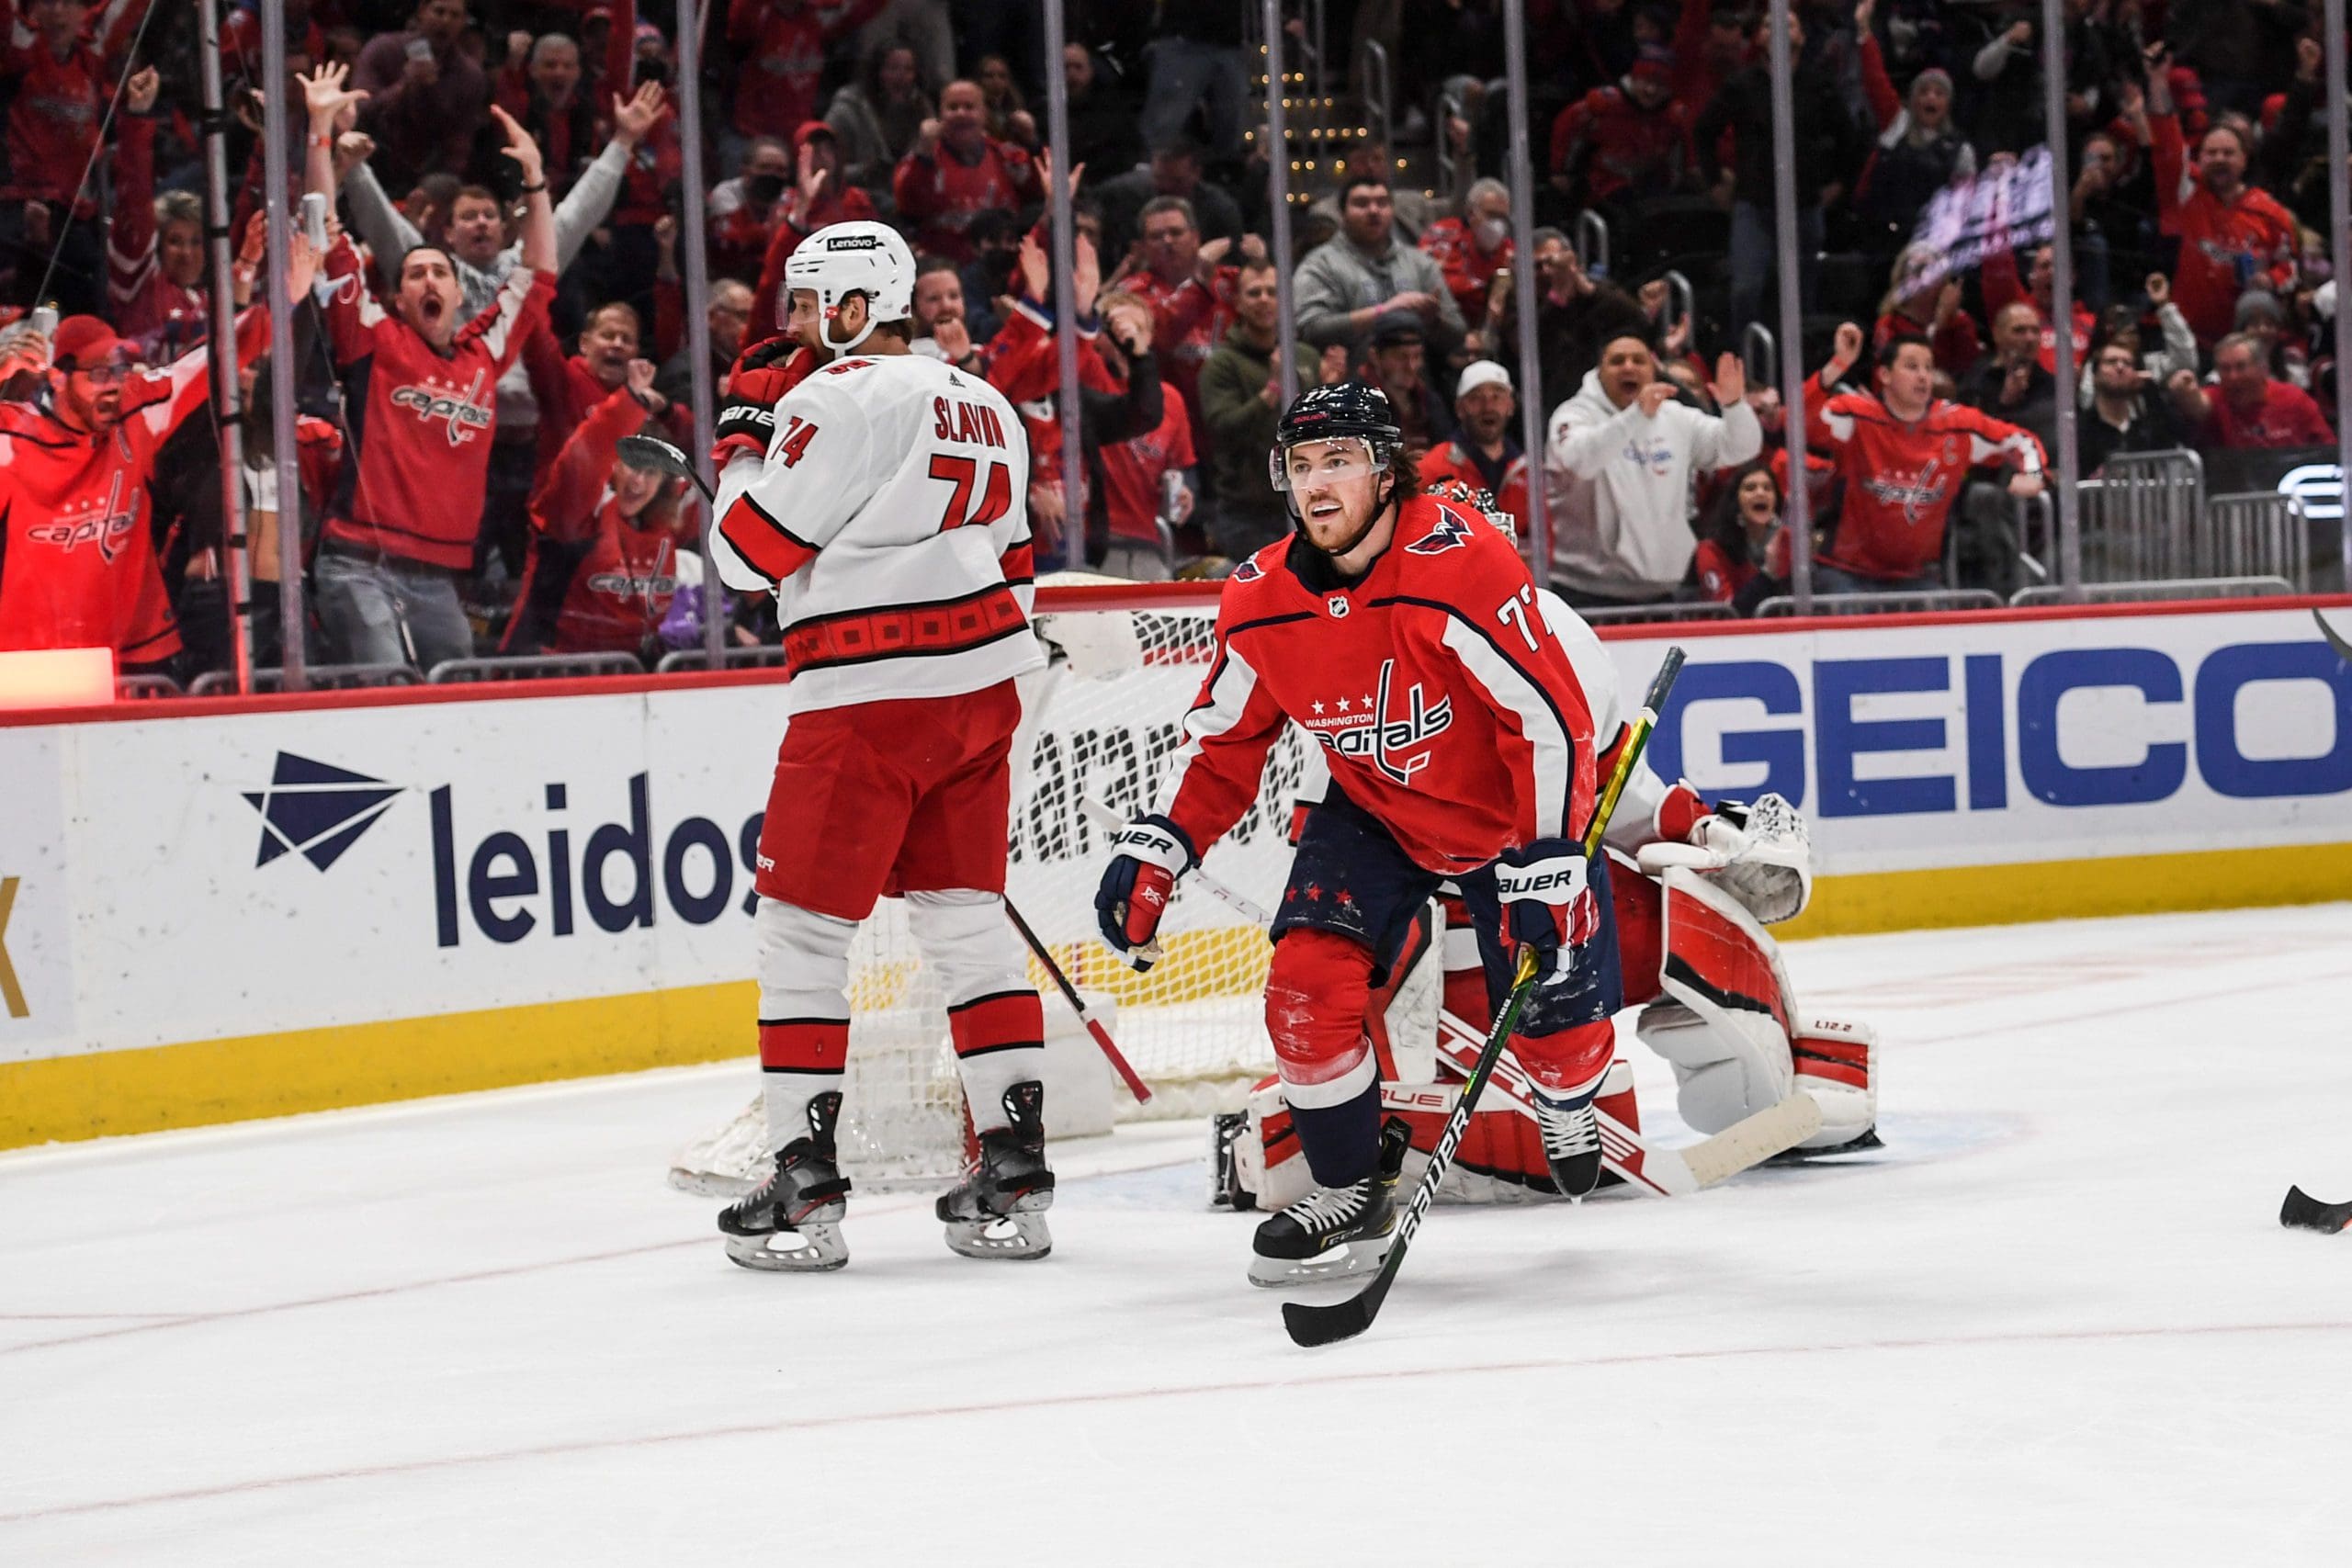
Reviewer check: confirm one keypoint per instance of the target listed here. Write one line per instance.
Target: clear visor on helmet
(1312, 463)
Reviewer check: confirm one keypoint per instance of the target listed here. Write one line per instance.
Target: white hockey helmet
(864, 257)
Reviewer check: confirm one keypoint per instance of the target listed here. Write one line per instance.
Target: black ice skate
(1334, 1232)
(998, 1209)
(1571, 1142)
(804, 1193)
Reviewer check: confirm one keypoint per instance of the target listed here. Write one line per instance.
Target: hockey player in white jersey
(888, 515)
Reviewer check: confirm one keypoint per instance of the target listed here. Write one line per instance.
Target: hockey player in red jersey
(1902, 454)
(887, 512)
(1403, 633)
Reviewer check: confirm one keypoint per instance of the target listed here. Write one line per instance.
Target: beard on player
(1342, 502)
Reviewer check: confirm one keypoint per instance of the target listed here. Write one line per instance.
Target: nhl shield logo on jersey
(1338, 604)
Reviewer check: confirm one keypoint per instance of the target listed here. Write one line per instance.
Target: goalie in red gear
(1403, 633)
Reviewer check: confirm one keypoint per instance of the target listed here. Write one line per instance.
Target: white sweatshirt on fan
(1619, 487)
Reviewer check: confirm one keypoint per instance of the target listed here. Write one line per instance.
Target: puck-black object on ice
(2303, 1212)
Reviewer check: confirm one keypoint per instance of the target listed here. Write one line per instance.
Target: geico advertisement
(1957, 744)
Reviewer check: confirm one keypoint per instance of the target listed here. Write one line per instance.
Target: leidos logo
(509, 887)
(315, 810)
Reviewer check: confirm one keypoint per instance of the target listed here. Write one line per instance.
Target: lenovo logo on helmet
(853, 242)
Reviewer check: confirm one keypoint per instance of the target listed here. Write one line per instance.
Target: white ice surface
(2054, 1322)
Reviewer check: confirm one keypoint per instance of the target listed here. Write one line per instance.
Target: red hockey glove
(1147, 857)
(1547, 901)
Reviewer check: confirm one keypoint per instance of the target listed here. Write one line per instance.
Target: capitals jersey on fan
(77, 556)
(421, 421)
(1901, 479)
(1444, 704)
(891, 517)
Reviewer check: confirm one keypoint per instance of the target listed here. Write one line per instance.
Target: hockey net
(1104, 726)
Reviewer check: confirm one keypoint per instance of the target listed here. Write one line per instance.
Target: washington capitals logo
(1246, 572)
(1383, 737)
(1913, 492)
(440, 401)
(105, 523)
(316, 810)
(1451, 534)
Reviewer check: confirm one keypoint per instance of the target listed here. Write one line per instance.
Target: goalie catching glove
(1760, 852)
(1546, 896)
(1147, 857)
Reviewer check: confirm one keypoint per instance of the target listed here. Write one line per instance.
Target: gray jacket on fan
(1618, 488)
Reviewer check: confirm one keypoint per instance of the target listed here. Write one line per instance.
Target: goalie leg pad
(1836, 1063)
(1726, 1026)
(994, 1015)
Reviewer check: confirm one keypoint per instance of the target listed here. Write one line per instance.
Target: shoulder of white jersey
(1596, 673)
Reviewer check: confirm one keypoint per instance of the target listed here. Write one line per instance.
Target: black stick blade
(2302, 1212)
(652, 452)
(2336, 639)
(1313, 1325)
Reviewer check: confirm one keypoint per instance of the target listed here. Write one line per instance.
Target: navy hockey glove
(747, 419)
(1547, 901)
(1147, 857)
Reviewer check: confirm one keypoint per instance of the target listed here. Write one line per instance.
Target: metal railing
(146, 688)
(1681, 304)
(2262, 535)
(1783, 604)
(2141, 517)
(689, 661)
(1756, 345)
(317, 678)
(1378, 107)
(1592, 243)
(1694, 610)
(2168, 588)
(536, 666)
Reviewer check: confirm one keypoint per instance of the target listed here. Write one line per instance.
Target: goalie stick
(1646, 1166)
(1312, 1325)
(2305, 1212)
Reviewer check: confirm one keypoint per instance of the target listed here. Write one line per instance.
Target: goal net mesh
(1103, 725)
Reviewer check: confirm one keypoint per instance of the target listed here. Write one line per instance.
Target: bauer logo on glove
(1147, 857)
(1546, 896)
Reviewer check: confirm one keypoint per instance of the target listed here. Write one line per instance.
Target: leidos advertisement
(174, 879)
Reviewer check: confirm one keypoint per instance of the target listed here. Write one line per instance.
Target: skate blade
(1341, 1263)
(1013, 1238)
(821, 1249)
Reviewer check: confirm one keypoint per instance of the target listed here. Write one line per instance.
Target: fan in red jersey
(607, 537)
(77, 559)
(1902, 454)
(1403, 633)
(419, 382)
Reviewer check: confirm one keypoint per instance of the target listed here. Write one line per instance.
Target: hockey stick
(1670, 1173)
(657, 456)
(1344, 1320)
(1110, 821)
(1135, 1086)
(2303, 1212)
(2336, 639)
